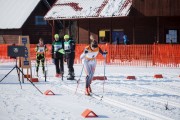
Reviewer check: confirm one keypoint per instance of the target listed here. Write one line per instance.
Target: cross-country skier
(57, 55)
(40, 55)
(88, 58)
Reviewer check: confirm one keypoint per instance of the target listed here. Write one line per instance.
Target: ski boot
(87, 92)
(89, 89)
(70, 76)
(58, 75)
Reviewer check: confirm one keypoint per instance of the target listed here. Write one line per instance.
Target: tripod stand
(19, 70)
(15, 67)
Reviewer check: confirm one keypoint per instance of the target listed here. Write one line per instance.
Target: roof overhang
(82, 9)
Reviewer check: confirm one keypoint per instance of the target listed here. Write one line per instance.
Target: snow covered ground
(145, 98)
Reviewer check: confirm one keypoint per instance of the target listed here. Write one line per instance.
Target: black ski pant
(70, 62)
(38, 60)
(59, 63)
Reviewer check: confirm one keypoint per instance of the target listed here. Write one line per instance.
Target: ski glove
(104, 54)
(86, 51)
(61, 51)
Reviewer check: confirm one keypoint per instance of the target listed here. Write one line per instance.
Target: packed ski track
(121, 103)
(145, 98)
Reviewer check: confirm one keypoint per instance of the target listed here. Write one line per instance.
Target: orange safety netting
(130, 55)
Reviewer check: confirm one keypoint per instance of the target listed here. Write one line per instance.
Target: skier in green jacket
(69, 48)
(58, 55)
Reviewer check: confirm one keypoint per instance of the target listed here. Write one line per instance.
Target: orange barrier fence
(164, 55)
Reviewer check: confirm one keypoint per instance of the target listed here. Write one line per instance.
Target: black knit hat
(94, 44)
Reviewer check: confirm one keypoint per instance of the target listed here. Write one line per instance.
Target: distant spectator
(171, 41)
(126, 41)
(102, 40)
(117, 40)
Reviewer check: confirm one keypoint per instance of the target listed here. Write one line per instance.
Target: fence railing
(163, 55)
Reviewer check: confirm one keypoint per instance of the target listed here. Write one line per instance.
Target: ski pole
(104, 69)
(78, 81)
(30, 81)
(104, 72)
(35, 69)
(46, 69)
(45, 72)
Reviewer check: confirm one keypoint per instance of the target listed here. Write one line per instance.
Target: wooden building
(143, 21)
(24, 17)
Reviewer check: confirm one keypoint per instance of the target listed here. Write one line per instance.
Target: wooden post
(78, 31)
(53, 30)
(157, 37)
(89, 31)
(133, 30)
(110, 31)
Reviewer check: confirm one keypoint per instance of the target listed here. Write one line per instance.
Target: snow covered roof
(13, 13)
(76, 9)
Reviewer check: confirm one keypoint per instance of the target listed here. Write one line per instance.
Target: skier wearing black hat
(88, 58)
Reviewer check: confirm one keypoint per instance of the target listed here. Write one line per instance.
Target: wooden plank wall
(156, 7)
(140, 30)
(144, 28)
(37, 31)
(11, 39)
(83, 31)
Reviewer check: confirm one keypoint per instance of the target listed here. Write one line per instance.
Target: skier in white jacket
(88, 58)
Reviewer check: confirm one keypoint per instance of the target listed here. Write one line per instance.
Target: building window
(172, 36)
(117, 36)
(39, 20)
(104, 36)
